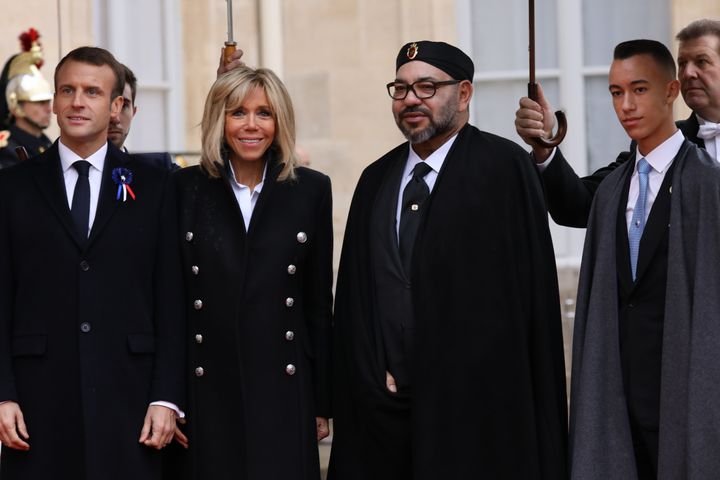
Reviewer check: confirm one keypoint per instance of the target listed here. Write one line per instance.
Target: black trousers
(645, 445)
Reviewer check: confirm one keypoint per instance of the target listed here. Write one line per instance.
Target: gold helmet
(25, 82)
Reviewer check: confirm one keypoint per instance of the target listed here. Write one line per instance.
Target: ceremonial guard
(25, 108)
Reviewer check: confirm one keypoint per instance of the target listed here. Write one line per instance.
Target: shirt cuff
(171, 406)
(546, 163)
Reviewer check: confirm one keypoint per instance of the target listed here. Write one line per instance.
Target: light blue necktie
(637, 224)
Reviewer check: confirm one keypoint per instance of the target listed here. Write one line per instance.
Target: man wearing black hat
(444, 369)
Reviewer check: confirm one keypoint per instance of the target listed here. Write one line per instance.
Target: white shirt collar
(435, 160)
(662, 155)
(258, 187)
(68, 157)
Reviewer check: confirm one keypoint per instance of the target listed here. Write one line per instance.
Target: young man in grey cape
(645, 394)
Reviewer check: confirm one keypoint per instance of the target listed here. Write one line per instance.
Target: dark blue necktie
(413, 200)
(80, 209)
(637, 224)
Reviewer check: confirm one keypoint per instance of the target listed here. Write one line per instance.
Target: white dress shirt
(97, 163)
(434, 161)
(712, 145)
(246, 198)
(660, 160)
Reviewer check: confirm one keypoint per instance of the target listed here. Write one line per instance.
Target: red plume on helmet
(27, 39)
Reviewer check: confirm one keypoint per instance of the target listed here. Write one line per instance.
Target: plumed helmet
(21, 77)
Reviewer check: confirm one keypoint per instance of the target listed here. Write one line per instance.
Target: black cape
(489, 381)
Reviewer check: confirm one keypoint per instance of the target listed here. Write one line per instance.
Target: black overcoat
(261, 334)
(488, 398)
(90, 330)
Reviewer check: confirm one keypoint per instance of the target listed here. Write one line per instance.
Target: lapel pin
(123, 178)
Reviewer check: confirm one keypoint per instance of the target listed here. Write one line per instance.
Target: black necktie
(413, 201)
(80, 209)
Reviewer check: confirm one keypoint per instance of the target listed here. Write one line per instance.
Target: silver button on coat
(189, 236)
(197, 304)
(199, 372)
(195, 269)
(289, 302)
(198, 338)
(289, 335)
(290, 369)
(292, 269)
(302, 237)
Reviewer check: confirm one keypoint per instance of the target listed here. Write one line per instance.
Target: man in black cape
(448, 343)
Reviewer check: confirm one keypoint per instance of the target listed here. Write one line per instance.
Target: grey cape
(689, 445)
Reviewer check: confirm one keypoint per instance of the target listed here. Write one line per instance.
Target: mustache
(416, 109)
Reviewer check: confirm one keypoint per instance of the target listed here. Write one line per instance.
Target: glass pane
(146, 41)
(610, 22)
(494, 105)
(148, 128)
(500, 34)
(605, 136)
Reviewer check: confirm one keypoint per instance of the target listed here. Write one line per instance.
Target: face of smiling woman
(250, 129)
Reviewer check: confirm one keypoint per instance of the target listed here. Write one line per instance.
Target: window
(574, 40)
(145, 35)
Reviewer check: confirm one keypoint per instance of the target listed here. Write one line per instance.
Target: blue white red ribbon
(123, 178)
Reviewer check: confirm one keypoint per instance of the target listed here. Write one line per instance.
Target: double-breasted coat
(259, 305)
(90, 329)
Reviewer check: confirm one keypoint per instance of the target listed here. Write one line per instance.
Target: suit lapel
(51, 183)
(107, 202)
(690, 128)
(624, 270)
(269, 185)
(658, 221)
(383, 217)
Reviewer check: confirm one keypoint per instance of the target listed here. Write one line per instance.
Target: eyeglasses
(422, 89)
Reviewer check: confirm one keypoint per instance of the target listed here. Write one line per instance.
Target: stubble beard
(442, 123)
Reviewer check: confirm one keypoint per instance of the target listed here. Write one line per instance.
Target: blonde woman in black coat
(256, 231)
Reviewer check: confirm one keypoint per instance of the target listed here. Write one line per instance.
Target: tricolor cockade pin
(123, 178)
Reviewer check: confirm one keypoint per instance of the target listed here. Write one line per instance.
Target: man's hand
(533, 120)
(390, 382)
(323, 427)
(159, 427)
(12, 427)
(234, 62)
(179, 436)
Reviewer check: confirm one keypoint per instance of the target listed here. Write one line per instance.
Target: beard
(441, 123)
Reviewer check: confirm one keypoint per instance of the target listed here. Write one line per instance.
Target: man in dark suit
(568, 196)
(120, 124)
(645, 342)
(91, 345)
(442, 369)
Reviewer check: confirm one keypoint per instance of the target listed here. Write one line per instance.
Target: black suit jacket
(161, 159)
(90, 329)
(642, 305)
(569, 197)
(20, 138)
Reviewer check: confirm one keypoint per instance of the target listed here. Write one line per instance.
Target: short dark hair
(130, 79)
(98, 57)
(656, 50)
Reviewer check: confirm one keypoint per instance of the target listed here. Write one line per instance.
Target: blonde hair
(227, 95)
